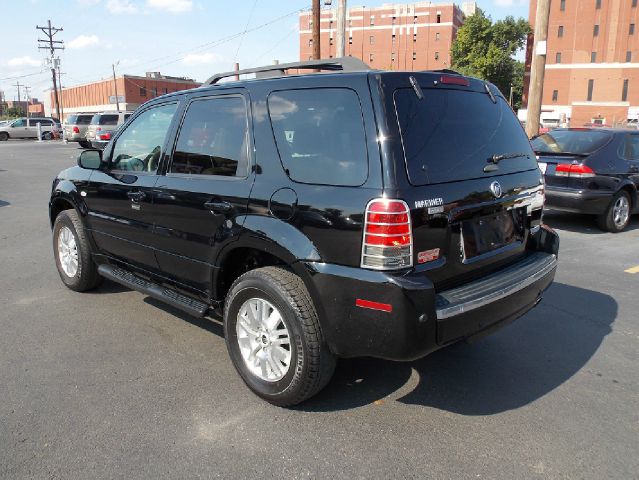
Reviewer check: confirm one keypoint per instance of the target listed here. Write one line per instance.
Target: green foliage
(486, 50)
(13, 112)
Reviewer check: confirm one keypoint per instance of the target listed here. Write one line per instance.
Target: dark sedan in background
(593, 171)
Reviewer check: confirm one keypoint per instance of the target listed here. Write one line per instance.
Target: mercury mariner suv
(347, 213)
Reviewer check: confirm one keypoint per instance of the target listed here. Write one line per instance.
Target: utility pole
(26, 94)
(316, 29)
(52, 45)
(60, 88)
(341, 28)
(115, 86)
(537, 68)
(17, 85)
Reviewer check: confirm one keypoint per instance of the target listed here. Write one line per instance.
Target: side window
(139, 146)
(634, 147)
(18, 123)
(320, 135)
(213, 139)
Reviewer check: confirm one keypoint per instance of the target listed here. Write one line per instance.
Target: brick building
(592, 63)
(133, 91)
(407, 36)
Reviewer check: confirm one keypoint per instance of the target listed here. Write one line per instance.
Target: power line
(248, 21)
(16, 77)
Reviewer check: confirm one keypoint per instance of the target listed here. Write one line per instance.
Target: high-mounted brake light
(76, 130)
(574, 170)
(388, 240)
(452, 80)
(105, 136)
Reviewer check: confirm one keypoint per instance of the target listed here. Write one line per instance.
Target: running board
(163, 294)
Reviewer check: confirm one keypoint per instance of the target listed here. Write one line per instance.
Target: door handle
(136, 196)
(218, 206)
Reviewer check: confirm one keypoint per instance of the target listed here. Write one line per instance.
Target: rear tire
(84, 144)
(4, 136)
(617, 216)
(72, 253)
(282, 357)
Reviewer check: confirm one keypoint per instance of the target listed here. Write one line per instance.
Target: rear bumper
(420, 319)
(577, 200)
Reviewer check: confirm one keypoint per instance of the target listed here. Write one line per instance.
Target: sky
(185, 38)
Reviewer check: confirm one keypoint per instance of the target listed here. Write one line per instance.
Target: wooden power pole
(341, 28)
(316, 30)
(537, 68)
(52, 45)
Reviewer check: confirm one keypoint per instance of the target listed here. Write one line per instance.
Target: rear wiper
(495, 159)
(561, 154)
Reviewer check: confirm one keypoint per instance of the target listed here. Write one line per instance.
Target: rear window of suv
(83, 119)
(320, 135)
(104, 120)
(450, 134)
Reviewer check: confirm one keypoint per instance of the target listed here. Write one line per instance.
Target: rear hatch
(473, 186)
(563, 147)
(105, 121)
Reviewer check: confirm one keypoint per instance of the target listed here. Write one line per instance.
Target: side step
(164, 294)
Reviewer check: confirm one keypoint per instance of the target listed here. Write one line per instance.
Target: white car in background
(28, 128)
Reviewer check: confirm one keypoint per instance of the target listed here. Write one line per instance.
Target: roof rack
(345, 64)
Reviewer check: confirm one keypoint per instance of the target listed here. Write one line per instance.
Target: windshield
(451, 134)
(582, 142)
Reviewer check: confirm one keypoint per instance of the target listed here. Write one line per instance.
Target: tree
(486, 50)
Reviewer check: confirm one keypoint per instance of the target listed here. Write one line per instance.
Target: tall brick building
(407, 36)
(132, 92)
(592, 63)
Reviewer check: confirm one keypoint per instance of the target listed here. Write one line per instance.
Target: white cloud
(121, 6)
(201, 58)
(83, 41)
(24, 61)
(172, 6)
(510, 3)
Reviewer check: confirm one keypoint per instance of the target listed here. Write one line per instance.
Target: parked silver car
(75, 128)
(105, 121)
(28, 128)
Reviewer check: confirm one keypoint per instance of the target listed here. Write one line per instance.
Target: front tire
(617, 216)
(72, 253)
(4, 136)
(273, 336)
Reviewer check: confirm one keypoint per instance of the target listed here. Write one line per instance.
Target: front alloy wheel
(67, 252)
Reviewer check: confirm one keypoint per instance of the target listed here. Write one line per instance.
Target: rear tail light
(76, 130)
(575, 170)
(105, 136)
(388, 240)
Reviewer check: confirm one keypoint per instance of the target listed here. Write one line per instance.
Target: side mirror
(90, 159)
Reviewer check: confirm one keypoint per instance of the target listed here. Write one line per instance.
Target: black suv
(339, 214)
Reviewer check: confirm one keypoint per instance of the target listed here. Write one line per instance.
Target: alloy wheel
(68, 252)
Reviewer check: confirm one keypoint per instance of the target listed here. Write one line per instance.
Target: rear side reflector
(384, 307)
(451, 80)
(388, 240)
(575, 170)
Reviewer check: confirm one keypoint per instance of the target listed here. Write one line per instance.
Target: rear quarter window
(320, 135)
(450, 134)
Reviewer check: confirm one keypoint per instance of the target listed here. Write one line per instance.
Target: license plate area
(490, 233)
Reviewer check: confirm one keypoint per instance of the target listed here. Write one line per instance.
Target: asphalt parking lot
(110, 384)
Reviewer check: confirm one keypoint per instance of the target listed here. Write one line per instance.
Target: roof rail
(345, 64)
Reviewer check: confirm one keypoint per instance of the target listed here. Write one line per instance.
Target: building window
(330, 41)
(560, 31)
(371, 40)
(372, 20)
(370, 57)
(436, 55)
(624, 91)
(437, 36)
(562, 5)
(593, 57)
(595, 31)
(439, 18)
(628, 56)
(143, 91)
(414, 55)
(558, 57)
(597, 4)
(555, 95)
(591, 85)
(350, 40)
(631, 30)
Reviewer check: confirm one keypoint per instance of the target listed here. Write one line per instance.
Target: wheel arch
(632, 191)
